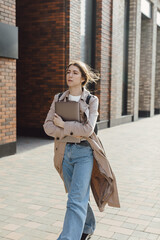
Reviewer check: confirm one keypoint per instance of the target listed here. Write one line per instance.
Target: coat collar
(65, 95)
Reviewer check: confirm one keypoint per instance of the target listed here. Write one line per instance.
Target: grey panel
(8, 41)
(7, 149)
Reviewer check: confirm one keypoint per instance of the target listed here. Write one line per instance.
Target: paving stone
(14, 236)
(137, 221)
(10, 227)
(51, 236)
(103, 233)
(119, 218)
(136, 238)
(32, 225)
(102, 226)
(4, 233)
(28, 237)
(129, 225)
(152, 236)
(110, 222)
(103, 238)
(49, 228)
(141, 228)
(119, 236)
(153, 230)
(154, 225)
(121, 230)
(140, 234)
(17, 221)
(98, 238)
(36, 233)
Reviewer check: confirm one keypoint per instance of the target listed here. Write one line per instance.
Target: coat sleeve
(49, 127)
(75, 129)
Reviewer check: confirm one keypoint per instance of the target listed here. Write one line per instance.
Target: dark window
(88, 30)
(125, 58)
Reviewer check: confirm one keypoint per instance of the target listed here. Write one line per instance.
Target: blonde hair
(89, 74)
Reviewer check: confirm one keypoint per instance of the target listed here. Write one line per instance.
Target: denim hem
(88, 230)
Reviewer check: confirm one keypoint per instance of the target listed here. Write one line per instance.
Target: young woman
(79, 156)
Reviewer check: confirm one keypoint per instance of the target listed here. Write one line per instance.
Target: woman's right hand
(57, 120)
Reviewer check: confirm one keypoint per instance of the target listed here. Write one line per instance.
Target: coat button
(71, 133)
(57, 138)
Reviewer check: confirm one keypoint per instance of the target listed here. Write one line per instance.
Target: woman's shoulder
(90, 96)
(60, 95)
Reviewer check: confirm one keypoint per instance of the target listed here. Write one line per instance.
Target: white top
(74, 98)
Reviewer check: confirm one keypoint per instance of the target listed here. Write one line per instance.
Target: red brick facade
(8, 11)
(43, 55)
(7, 101)
(49, 38)
(7, 87)
(74, 30)
(103, 55)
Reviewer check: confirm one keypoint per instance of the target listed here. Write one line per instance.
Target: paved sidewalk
(33, 200)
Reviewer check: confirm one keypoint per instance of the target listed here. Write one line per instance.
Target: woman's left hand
(57, 120)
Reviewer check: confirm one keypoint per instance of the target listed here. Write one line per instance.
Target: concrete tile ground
(33, 200)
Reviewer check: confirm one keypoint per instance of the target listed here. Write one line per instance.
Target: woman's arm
(49, 127)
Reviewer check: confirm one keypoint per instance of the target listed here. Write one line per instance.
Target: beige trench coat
(103, 182)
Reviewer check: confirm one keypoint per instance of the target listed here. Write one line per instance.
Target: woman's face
(74, 77)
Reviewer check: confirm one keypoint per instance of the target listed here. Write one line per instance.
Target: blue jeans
(77, 170)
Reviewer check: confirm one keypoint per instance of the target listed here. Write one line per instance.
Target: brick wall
(49, 35)
(43, 55)
(7, 88)
(157, 80)
(8, 100)
(106, 44)
(154, 49)
(75, 37)
(103, 54)
(98, 44)
(117, 58)
(141, 61)
(157, 77)
(147, 64)
(7, 11)
(134, 57)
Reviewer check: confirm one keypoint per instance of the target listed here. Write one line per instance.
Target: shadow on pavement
(29, 143)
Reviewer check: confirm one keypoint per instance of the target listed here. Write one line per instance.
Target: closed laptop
(68, 111)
